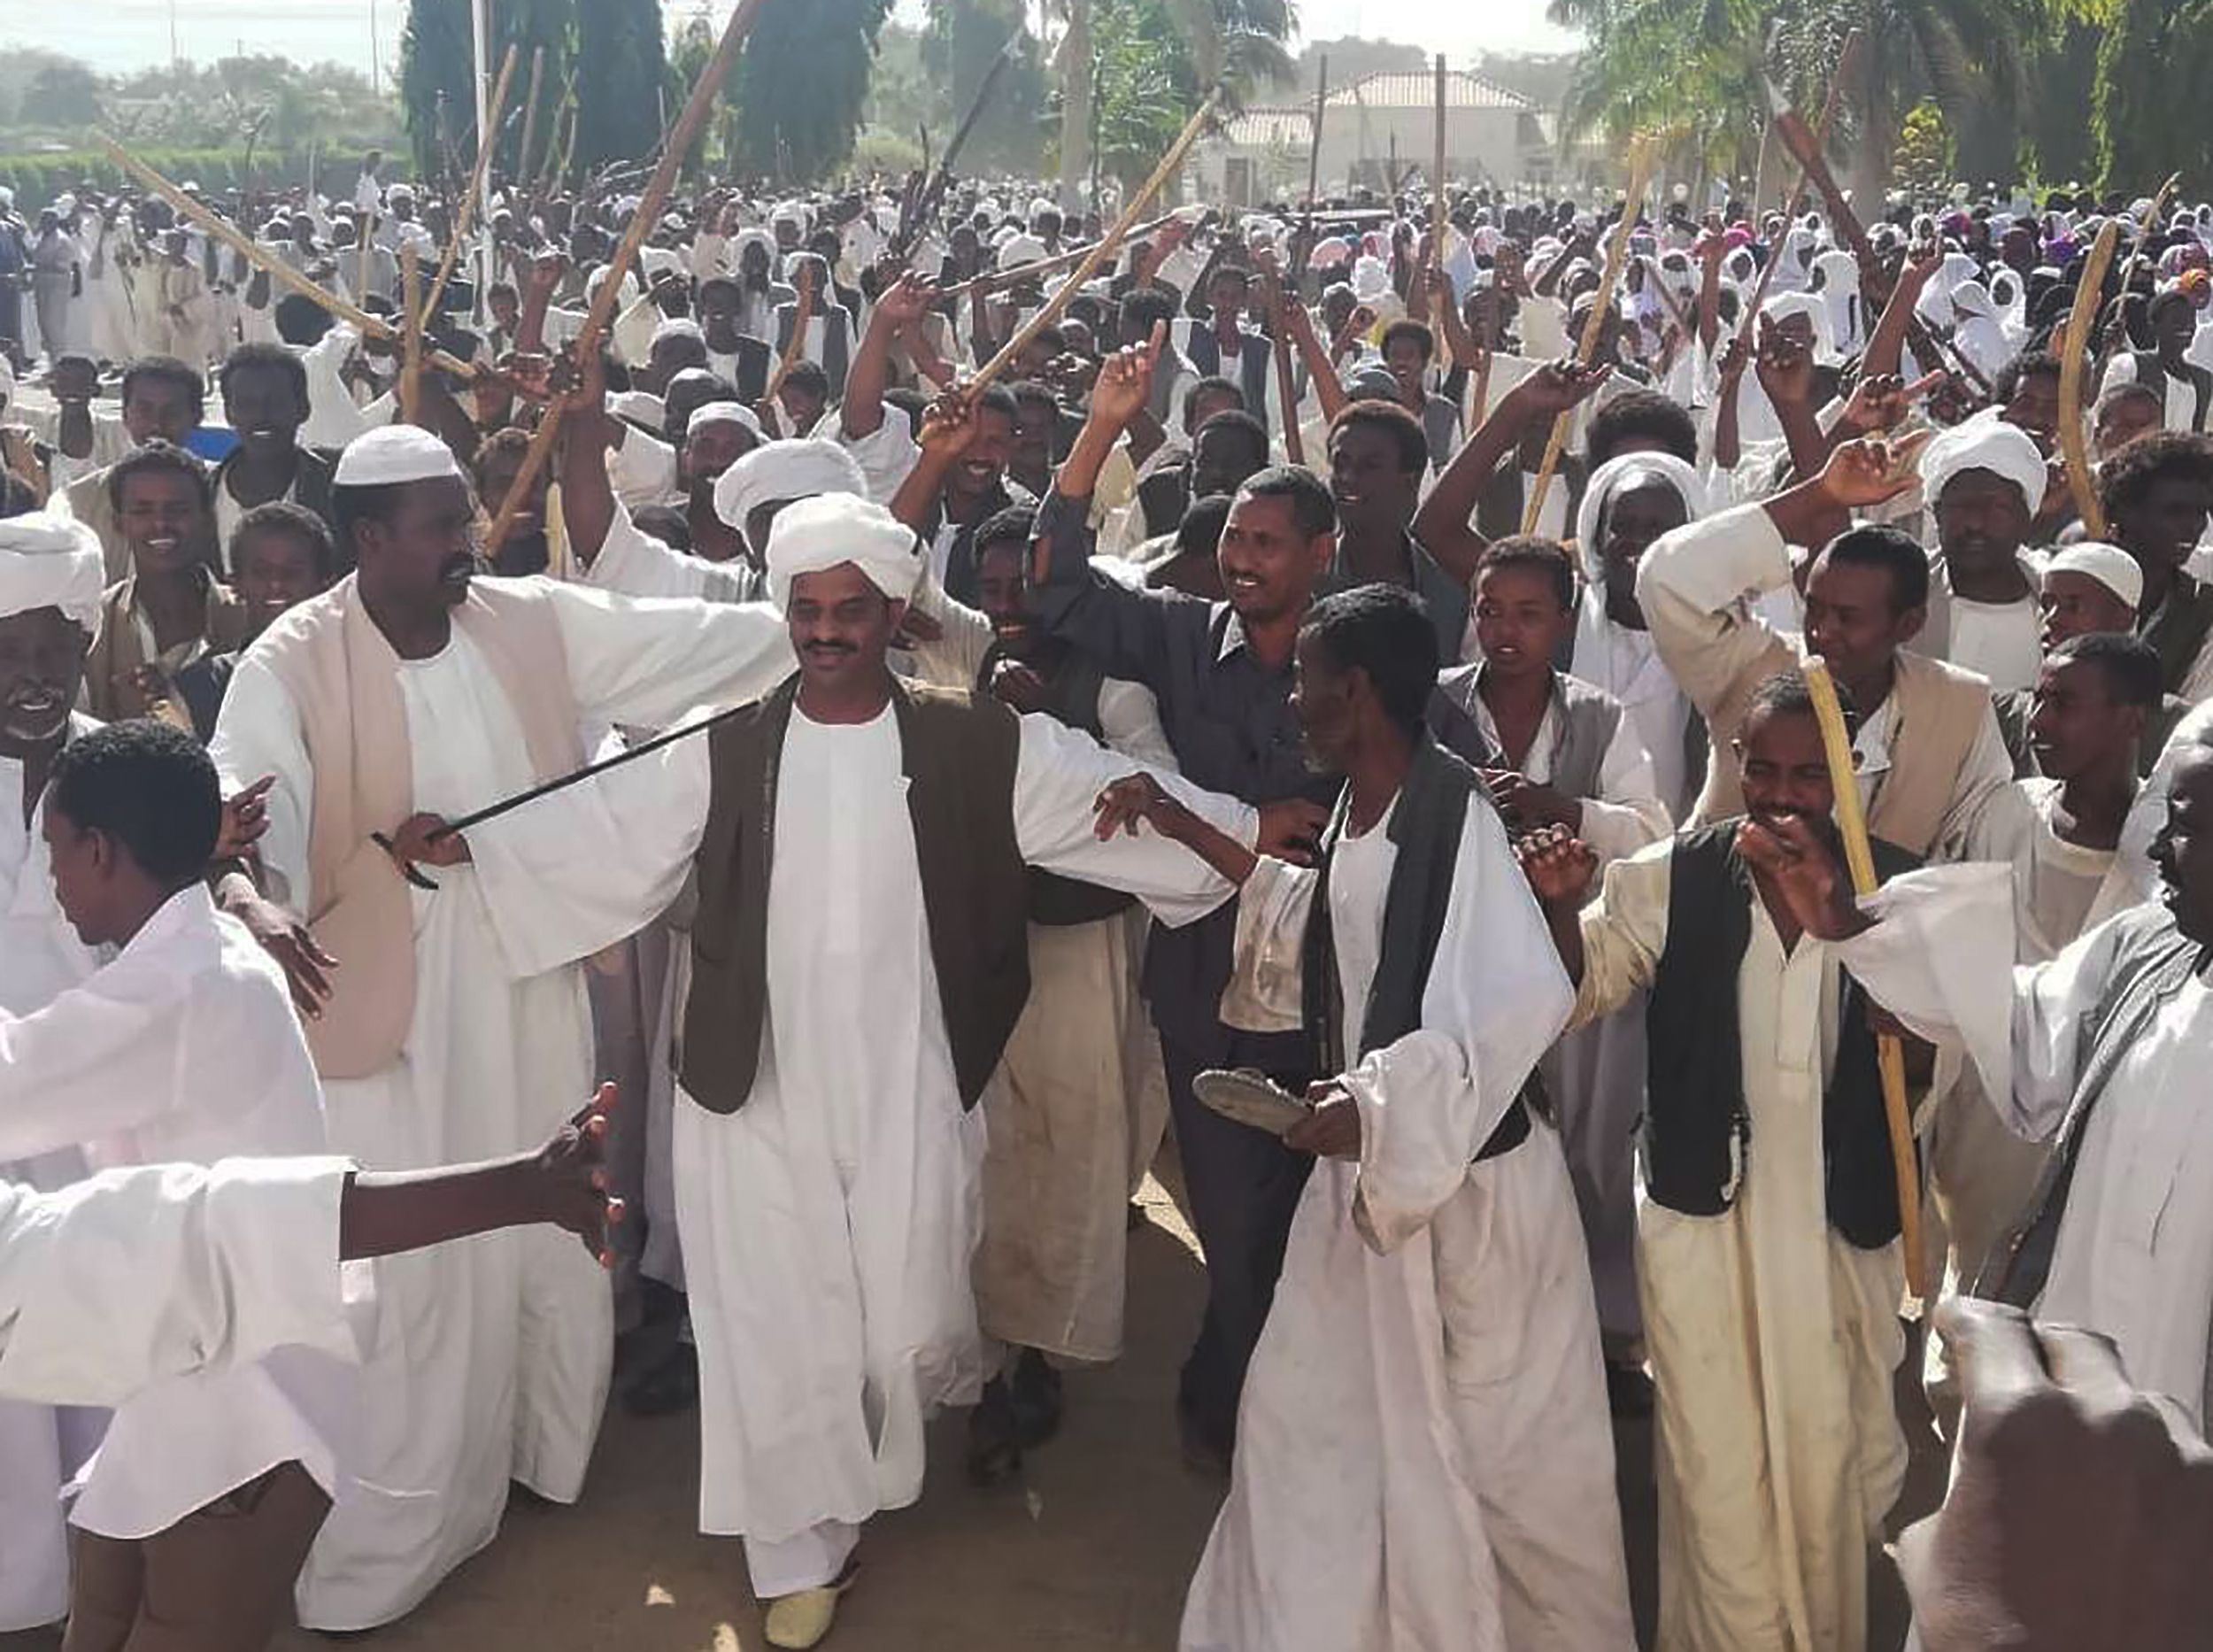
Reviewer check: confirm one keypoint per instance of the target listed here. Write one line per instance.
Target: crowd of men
(1355, 647)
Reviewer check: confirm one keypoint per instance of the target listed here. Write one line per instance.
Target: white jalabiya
(1423, 1454)
(829, 1223)
(491, 1359)
(138, 1277)
(39, 1448)
(185, 1049)
(1981, 1175)
(1772, 1338)
(2134, 1259)
(1595, 1075)
(1999, 639)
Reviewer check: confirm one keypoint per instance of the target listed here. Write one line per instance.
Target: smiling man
(266, 399)
(453, 1025)
(2157, 493)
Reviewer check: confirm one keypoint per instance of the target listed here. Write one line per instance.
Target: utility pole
(483, 27)
(376, 67)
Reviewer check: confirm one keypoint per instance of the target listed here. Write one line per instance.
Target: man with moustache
(445, 1024)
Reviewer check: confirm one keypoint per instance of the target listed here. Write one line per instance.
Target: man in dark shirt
(1222, 673)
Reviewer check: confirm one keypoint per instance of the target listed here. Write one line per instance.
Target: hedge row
(37, 179)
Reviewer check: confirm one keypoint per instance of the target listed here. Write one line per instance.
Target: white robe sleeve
(1939, 957)
(955, 659)
(1624, 932)
(1130, 723)
(645, 663)
(1691, 585)
(1058, 774)
(885, 455)
(633, 563)
(572, 875)
(1496, 998)
(135, 1276)
(2148, 813)
(643, 470)
(1627, 814)
(258, 733)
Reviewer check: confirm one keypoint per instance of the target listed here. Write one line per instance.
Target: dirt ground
(1090, 1552)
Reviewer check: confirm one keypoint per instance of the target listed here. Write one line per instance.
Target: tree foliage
(802, 79)
(621, 74)
(957, 50)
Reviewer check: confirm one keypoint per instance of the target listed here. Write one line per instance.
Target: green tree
(621, 70)
(802, 79)
(438, 63)
(2152, 68)
(64, 94)
(959, 44)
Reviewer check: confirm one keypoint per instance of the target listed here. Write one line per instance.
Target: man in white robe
(827, 1183)
(1424, 1457)
(1767, 1215)
(2101, 1053)
(491, 1362)
(50, 579)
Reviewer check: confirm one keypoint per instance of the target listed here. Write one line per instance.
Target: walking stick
(2082, 320)
(1617, 259)
(1890, 1055)
(680, 140)
(487, 141)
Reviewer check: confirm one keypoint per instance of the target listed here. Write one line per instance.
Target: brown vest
(343, 679)
(958, 753)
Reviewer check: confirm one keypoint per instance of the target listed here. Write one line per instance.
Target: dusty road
(1091, 1553)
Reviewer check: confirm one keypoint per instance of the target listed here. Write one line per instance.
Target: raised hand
(1291, 830)
(1528, 804)
(1800, 863)
(1558, 864)
(906, 302)
(1877, 403)
(1125, 380)
(1126, 801)
(1870, 470)
(1559, 386)
(306, 966)
(246, 818)
(950, 427)
(1785, 366)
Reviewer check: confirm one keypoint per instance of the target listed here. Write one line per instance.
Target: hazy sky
(116, 35)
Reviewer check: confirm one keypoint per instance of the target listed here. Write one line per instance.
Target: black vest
(1072, 699)
(1696, 1125)
(2178, 629)
(1426, 824)
(1256, 360)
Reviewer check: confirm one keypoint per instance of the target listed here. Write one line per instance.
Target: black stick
(562, 783)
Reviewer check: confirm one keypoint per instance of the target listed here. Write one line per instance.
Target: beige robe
(1772, 1338)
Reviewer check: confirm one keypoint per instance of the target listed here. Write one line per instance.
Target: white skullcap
(49, 561)
(723, 413)
(1990, 445)
(785, 470)
(2110, 566)
(832, 529)
(393, 453)
(679, 327)
(1020, 250)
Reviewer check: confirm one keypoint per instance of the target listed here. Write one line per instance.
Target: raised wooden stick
(991, 280)
(411, 337)
(276, 268)
(529, 118)
(1436, 180)
(802, 313)
(2074, 361)
(487, 141)
(678, 145)
(1790, 196)
(1616, 259)
(1889, 1055)
(1011, 350)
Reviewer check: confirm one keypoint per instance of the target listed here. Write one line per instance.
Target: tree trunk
(1076, 104)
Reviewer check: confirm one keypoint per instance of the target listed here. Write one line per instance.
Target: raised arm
(901, 307)
(1445, 523)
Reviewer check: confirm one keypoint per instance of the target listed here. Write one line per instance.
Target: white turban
(393, 453)
(833, 528)
(1991, 444)
(2110, 566)
(1607, 479)
(1020, 250)
(49, 561)
(785, 470)
(723, 413)
(679, 327)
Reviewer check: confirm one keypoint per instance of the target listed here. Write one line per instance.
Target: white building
(1376, 131)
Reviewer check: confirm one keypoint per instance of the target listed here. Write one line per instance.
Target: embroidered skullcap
(785, 470)
(49, 561)
(2110, 566)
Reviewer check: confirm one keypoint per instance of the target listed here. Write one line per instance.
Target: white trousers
(811, 1559)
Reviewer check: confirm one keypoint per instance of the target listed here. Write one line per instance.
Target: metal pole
(482, 26)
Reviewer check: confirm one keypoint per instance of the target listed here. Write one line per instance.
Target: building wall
(1356, 152)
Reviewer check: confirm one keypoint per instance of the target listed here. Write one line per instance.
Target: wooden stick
(1436, 180)
(411, 337)
(1011, 350)
(1889, 1053)
(276, 268)
(1313, 150)
(678, 145)
(1790, 196)
(530, 118)
(2074, 360)
(487, 140)
(1294, 440)
(802, 313)
(1616, 259)
(992, 280)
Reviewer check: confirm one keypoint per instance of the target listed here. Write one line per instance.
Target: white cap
(833, 528)
(723, 413)
(49, 561)
(785, 470)
(395, 453)
(2110, 566)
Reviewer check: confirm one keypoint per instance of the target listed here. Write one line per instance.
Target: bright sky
(122, 35)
